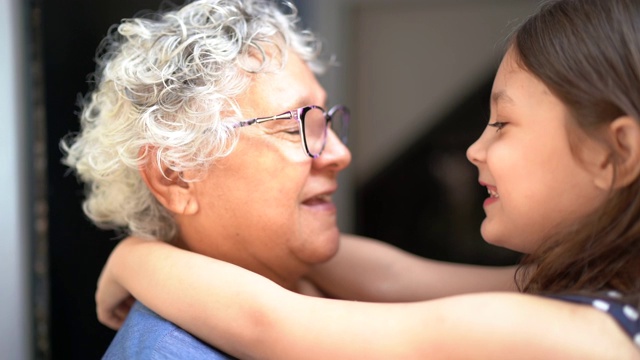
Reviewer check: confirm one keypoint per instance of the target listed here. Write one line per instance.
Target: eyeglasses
(313, 122)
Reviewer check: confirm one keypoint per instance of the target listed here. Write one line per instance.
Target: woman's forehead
(289, 88)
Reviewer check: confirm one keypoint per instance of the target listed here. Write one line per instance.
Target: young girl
(560, 159)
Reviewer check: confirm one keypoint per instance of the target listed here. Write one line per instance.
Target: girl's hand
(113, 301)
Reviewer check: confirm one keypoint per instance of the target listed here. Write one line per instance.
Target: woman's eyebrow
(306, 101)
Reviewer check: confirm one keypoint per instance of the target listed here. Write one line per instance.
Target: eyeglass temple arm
(283, 116)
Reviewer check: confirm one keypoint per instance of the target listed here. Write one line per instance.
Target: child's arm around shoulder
(250, 317)
(370, 270)
(154, 273)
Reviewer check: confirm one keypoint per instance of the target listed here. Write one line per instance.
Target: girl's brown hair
(587, 52)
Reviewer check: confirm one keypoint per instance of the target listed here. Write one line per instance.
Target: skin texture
(369, 270)
(267, 206)
(527, 163)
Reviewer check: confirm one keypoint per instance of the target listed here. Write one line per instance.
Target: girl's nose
(476, 152)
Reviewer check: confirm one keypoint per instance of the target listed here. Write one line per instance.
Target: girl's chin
(506, 242)
(494, 238)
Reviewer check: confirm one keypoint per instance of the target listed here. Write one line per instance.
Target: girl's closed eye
(499, 125)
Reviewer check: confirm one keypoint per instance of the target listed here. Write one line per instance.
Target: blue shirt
(145, 335)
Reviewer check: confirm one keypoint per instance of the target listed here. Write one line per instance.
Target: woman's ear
(168, 186)
(624, 137)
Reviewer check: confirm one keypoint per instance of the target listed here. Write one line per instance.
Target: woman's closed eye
(286, 131)
(290, 131)
(499, 125)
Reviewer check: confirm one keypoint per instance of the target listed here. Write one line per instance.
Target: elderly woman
(207, 129)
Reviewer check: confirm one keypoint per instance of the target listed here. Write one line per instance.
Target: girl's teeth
(493, 193)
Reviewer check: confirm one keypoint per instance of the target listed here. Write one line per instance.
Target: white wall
(15, 334)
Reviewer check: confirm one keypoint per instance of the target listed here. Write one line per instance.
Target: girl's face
(535, 182)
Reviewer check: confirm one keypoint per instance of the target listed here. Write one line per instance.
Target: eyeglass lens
(314, 127)
(340, 123)
(314, 130)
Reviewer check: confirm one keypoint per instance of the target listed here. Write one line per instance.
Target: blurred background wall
(416, 74)
(15, 272)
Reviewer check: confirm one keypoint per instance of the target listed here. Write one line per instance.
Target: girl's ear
(624, 135)
(168, 186)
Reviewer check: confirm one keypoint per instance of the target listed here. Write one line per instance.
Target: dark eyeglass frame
(299, 115)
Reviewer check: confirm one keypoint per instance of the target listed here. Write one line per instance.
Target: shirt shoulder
(146, 335)
(625, 315)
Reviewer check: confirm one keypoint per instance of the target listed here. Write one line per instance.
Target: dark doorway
(428, 200)
(71, 31)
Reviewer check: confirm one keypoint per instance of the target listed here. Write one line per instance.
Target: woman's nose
(335, 153)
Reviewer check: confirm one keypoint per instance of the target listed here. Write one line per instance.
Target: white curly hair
(167, 81)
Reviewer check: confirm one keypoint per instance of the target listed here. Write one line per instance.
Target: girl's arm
(370, 270)
(250, 317)
(364, 269)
